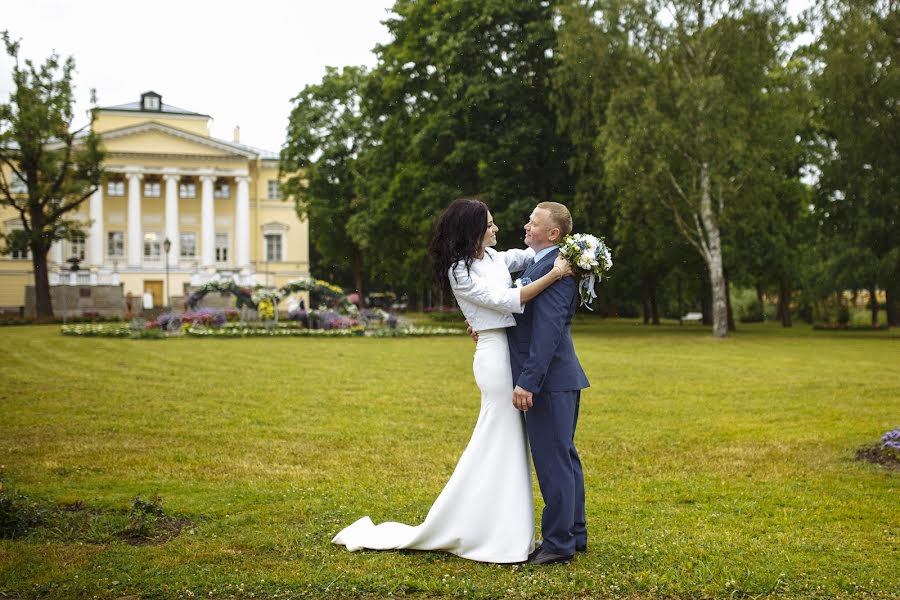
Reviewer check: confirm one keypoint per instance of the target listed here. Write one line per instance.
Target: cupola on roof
(152, 102)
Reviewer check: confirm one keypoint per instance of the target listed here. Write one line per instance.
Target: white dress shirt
(485, 293)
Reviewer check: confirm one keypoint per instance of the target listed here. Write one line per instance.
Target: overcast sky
(239, 62)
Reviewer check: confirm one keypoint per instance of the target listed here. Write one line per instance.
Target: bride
(486, 510)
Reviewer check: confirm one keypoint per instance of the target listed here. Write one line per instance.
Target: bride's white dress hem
(486, 511)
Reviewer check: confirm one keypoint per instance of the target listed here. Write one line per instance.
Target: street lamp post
(167, 245)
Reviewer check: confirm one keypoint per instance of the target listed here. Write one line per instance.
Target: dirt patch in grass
(145, 523)
(877, 455)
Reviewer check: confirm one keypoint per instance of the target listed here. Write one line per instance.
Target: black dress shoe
(534, 553)
(578, 548)
(545, 557)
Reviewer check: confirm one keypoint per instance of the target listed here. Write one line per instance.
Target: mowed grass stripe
(714, 468)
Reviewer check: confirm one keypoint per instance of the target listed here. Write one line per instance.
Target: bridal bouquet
(590, 258)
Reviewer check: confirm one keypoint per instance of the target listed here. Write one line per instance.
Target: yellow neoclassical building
(217, 202)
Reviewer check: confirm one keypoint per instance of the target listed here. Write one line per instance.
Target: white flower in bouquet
(590, 259)
(586, 261)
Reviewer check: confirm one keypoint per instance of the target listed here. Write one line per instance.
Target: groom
(548, 382)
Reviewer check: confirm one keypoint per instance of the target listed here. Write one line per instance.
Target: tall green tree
(690, 124)
(460, 96)
(595, 59)
(59, 167)
(858, 84)
(771, 227)
(327, 133)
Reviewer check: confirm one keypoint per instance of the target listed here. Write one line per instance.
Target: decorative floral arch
(243, 296)
(252, 297)
(323, 288)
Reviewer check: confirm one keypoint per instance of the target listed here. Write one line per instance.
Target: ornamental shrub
(891, 443)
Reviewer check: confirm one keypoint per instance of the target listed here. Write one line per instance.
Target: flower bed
(124, 330)
(97, 330)
(886, 454)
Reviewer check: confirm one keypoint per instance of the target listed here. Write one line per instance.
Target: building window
(222, 189)
(18, 185)
(187, 189)
(188, 246)
(76, 250)
(20, 253)
(151, 188)
(152, 246)
(150, 101)
(221, 247)
(115, 244)
(273, 247)
(274, 190)
(16, 240)
(115, 187)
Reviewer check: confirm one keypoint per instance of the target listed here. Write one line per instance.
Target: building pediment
(153, 138)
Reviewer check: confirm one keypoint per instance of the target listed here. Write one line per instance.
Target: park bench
(693, 316)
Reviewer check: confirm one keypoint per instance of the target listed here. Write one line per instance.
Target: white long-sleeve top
(485, 293)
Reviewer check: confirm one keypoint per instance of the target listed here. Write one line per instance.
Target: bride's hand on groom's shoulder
(564, 266)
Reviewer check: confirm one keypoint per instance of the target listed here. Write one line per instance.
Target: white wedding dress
(486, 510)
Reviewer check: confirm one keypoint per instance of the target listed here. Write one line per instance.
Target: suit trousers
(551, 423)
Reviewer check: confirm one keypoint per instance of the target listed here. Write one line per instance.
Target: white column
(172, 218)
(242, 222)
(207, 223)
(95, 240)
(135, 229)
(56, 252)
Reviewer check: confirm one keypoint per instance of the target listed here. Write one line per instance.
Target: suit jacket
(540, 345)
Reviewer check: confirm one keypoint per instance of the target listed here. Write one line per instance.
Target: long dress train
(486, 510)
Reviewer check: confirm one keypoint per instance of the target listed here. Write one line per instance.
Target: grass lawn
(714, 468)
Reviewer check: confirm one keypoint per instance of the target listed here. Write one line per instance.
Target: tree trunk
(654, 308)
(42, 303)
(873, 304)
(731, 325)
(645, 310)
(784, 306)
(893, 306)
(705, 304)
(713, 257)
(680, 307)
(358, 274)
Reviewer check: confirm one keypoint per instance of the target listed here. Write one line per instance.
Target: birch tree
(690, 122)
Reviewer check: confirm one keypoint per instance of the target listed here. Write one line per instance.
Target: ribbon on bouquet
(586, 290)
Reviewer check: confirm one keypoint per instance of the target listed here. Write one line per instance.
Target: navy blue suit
(543, 362)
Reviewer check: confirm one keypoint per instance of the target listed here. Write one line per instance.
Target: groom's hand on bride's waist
(522, 399)
(472, 334)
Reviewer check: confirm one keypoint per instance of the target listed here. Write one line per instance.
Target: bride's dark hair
(457, 237)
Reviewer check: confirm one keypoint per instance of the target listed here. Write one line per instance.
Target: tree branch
(677, 186)
(6, 160)
(65, 167)
(63, 208)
